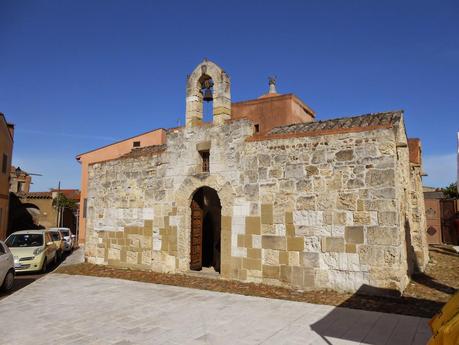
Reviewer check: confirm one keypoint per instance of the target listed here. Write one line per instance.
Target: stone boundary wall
(305, 212)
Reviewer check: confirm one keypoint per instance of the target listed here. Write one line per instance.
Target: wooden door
(448, 212)
(433, 219)
(196, 236)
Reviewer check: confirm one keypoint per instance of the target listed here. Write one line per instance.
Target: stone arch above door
(183, 199)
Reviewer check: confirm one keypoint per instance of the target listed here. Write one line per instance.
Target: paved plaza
(66, 309)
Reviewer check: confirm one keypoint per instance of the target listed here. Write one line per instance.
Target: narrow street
(23, 279)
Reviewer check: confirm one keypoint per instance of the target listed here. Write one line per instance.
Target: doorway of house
(205, 230)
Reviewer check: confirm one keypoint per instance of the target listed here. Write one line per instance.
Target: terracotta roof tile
(361, 121)
(144, 151)
(36, 195)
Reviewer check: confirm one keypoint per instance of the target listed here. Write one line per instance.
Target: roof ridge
(364, 120)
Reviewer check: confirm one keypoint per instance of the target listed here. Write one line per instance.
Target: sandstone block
(295, 243)
(254, 253)
(283, 257)
(273, 242)
(308, 278)
(312, 170)
(344, 155)
(306, 203)
(353, 234)
(297, 276)
(253, 225)
(226, 223)
(378, 235)
(266, 213)
(346, 201)
(351, 248)
(251, 264)
(387, 218)
(310, 260)
(295, 171)
(380, 178)
(285, 273)
(333, 244)
(271, 271)
(362, 218)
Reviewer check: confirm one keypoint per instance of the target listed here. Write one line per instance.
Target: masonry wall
(308, 212)
(6, 150)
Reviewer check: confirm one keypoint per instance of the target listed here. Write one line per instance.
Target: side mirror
(73, 236)
(49, 244)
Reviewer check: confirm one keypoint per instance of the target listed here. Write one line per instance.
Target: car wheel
(44, 268)
(8, 282)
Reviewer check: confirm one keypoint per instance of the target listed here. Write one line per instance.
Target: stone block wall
(309, 212)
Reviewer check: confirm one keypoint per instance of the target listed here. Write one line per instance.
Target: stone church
(264, 193)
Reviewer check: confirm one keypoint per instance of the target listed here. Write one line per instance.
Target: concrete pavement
(65, 309)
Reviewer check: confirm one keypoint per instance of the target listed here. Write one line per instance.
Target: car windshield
(55, 236)
(64, 232)
(25, 240)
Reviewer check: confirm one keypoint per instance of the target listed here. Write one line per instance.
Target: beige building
(289, 201)
(6, 153)
(42, 207)
(20, 180)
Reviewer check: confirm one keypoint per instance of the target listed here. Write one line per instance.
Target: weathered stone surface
(378, 235)
(380, 178)
(306, 203)
(295, 171)
(309, 212)
(274, 242)
(354, 234)
(333, 244)
(346, 201)
(344, 155)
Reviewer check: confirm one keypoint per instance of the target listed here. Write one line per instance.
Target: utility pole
(57, 204)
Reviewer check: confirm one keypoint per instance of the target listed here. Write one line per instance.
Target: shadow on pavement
(354, 320)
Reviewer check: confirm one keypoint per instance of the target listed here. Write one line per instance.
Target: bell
(207, 95)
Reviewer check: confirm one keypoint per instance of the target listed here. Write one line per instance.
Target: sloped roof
(72, 194)
(361, 121)
(144, 151)
(36, 195)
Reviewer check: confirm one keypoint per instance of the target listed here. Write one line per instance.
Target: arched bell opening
(208, 93)
(205, 239)
(206, 89)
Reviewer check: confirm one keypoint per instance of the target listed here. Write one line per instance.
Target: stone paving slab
(66, 309)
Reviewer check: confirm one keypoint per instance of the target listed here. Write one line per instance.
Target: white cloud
(441, 169)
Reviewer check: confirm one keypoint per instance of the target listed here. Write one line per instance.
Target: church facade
(266, 194)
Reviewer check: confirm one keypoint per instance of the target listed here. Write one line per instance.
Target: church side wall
(307, 212)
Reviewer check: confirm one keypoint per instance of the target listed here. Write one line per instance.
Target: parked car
(6, 268)
(69, 238)
(58, 240)
(33, 250)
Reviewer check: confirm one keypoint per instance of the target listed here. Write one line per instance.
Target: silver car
(69, 238)
(6, 268)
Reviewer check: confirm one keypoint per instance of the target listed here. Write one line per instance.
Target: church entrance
(205, 230)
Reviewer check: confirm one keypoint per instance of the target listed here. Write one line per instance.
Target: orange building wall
(156, 137)
(6, 147)
(273, 110)
(414, 148)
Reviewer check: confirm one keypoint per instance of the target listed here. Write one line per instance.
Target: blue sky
(76, 75)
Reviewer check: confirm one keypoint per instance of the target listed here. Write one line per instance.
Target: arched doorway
(205, 230)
